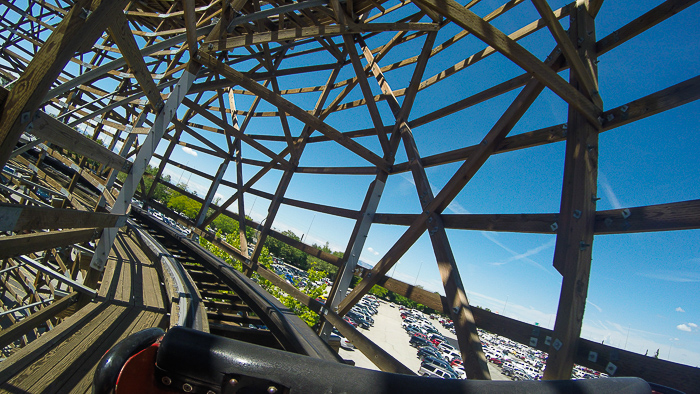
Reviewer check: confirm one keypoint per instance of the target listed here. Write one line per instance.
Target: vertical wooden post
(212, 191)
(123, 201)
(573, 251)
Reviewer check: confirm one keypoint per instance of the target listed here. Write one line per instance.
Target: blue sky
(643, 288)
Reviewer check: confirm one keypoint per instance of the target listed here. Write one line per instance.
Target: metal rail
(188, 309)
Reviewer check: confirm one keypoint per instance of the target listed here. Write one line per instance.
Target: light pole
(395, 265)
(307, 231)
(250, 212)
(419, 268)
(183, 172)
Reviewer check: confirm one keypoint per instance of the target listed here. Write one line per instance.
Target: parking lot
(388, 334)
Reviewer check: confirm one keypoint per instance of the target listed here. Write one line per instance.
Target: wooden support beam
(74, 200)
(450, 191)
(17, 218)
(48, 128)
(293, 110)
(84, 173)
(15, 245)
(414, 83)
(588, 82)
(4, 93)
(200, 138)
(238, 134)
(29, 323)
(238, 194)
(29, 90)
(123, 201)
(683, 215)
(573, 249)
(663, 100)
(166, 156)
(239, 175)
(302, 139)
(380, 357)
(121, 34)
(212, 191)
(191, 26)
(475, 364)
(471, 22)
(638, 26)
(315, 31)
(366, 91)
(270, 218)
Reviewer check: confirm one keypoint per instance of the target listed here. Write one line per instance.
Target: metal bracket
(626, 213)
(557, 344)
(611, 369)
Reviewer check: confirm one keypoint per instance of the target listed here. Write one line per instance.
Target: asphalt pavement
(388, 334)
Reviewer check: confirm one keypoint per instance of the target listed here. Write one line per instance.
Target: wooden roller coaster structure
(92, 89)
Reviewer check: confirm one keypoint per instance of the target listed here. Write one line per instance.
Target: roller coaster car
(185, 360)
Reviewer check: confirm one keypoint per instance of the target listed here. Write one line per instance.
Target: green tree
(187, 206)
(378, 291)
(161, 193)
(288, 253)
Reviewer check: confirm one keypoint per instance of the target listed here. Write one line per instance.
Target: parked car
(431, 330)
(459, 371)
(433, 371)
(451, 354)
(437, 361)
(496, 361)
(429, 351)
(508, 370)
(350, 321)
(344, 343)
(445, 347)
(432, 336)
(362, 323)
(522, 375)
(418, 342)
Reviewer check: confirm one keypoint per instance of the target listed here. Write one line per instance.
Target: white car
(344, 343)
(451, 354)
(434, 371)
(459, 370)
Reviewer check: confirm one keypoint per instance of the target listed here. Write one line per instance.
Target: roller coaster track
(234, 305)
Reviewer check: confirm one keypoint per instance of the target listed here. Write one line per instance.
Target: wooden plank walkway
(130, 299)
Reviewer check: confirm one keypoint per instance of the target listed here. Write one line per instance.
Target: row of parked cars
(438, 357)
(359, 316)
